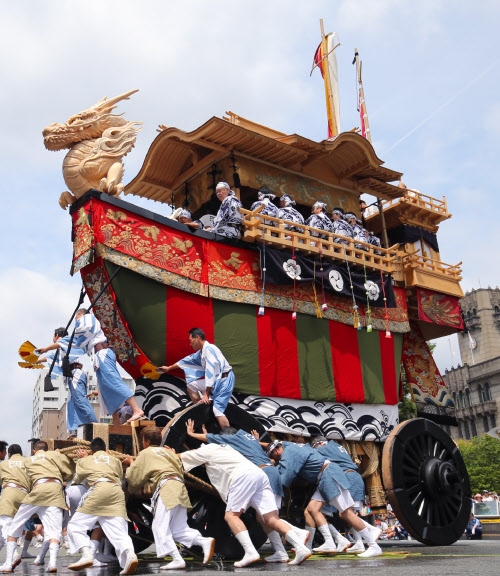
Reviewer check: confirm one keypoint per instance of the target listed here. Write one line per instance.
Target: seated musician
(288, 212)
(359, 232)
(340, 226)
(228, 219)
(265, 198)
(319, 219)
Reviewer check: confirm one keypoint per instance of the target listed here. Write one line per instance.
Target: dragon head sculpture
(86, 125)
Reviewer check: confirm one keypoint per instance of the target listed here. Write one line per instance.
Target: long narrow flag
(326, 60)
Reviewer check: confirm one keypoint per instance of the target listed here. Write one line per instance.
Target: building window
(474, 312)
(468, 396)
(485, 423)
(480, 393)
(466, 430)
(473, 428)
(493, 421)
(462, 399)
(497, 310)
(455, 399)
(487, 392)
(468, 313)
(460, 430)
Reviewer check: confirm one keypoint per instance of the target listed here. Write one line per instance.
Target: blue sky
(431, 78)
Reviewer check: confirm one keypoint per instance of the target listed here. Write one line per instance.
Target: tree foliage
(482, 456)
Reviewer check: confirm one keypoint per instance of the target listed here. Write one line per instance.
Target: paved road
(465, 557)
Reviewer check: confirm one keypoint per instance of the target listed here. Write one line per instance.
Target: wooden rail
(416, 260)
(256, 231)
(421, 201)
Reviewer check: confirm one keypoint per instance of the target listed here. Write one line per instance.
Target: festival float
(317, 332)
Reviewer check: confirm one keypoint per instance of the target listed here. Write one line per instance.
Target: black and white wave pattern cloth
(163, 399)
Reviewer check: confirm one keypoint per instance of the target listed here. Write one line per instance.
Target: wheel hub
(438, 477)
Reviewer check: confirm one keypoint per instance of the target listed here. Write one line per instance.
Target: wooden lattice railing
(420, 200)
(416, 260)
(255, 230)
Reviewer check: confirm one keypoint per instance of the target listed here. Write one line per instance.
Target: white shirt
(223, 464)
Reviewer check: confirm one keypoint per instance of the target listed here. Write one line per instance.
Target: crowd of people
(86, 499)
(228, 220)
(486, 496)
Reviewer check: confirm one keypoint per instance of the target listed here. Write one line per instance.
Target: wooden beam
(201, 165)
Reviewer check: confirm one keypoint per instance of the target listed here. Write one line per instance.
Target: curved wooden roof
(176, 156)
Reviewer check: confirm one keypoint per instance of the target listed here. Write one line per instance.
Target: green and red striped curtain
(272, 355)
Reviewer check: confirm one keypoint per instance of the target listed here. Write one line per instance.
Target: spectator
(486, 496)
(474, 530)
(478, 498)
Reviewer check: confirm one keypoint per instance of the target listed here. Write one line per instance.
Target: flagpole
(364, 116)
(330, 104)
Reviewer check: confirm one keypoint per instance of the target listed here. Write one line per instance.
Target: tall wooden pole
(364, 115)
(330, 103)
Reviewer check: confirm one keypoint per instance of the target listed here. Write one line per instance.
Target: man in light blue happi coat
(334, 452)
(78, 408)
(208, 373)
(332, 487)
(91, 339)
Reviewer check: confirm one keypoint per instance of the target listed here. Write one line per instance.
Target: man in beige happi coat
(161, 467)
(47, 470)
(15, 485)
(104, 502)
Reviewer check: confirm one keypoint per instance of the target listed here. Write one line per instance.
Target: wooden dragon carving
(97, 142)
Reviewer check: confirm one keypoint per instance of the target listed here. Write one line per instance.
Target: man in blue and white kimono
(340, 226)
(207, 373)
(248, 445)
(338, 454)
(332, 487)
(91, 339)
(359, 232)
(228, 219)
(288, 212)
(374, 241)
(319, 220)
(265, 198)
(78, 408)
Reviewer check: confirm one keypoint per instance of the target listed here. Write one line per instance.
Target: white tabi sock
(334, 532)
(251, 555)
(244, 539)
(325, 532)
(53, 552)
(312, 532)
(276, 541)
(356, 535)
(26, 545)
(367, 536)
(44, 549)
(11, 548)
(175, 554)
(94, 545)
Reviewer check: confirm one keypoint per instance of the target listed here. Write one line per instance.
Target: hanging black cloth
(281, 269)
(405, 234)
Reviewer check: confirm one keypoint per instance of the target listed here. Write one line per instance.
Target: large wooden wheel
(426, 482)
(207, 514)
(140, 525)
